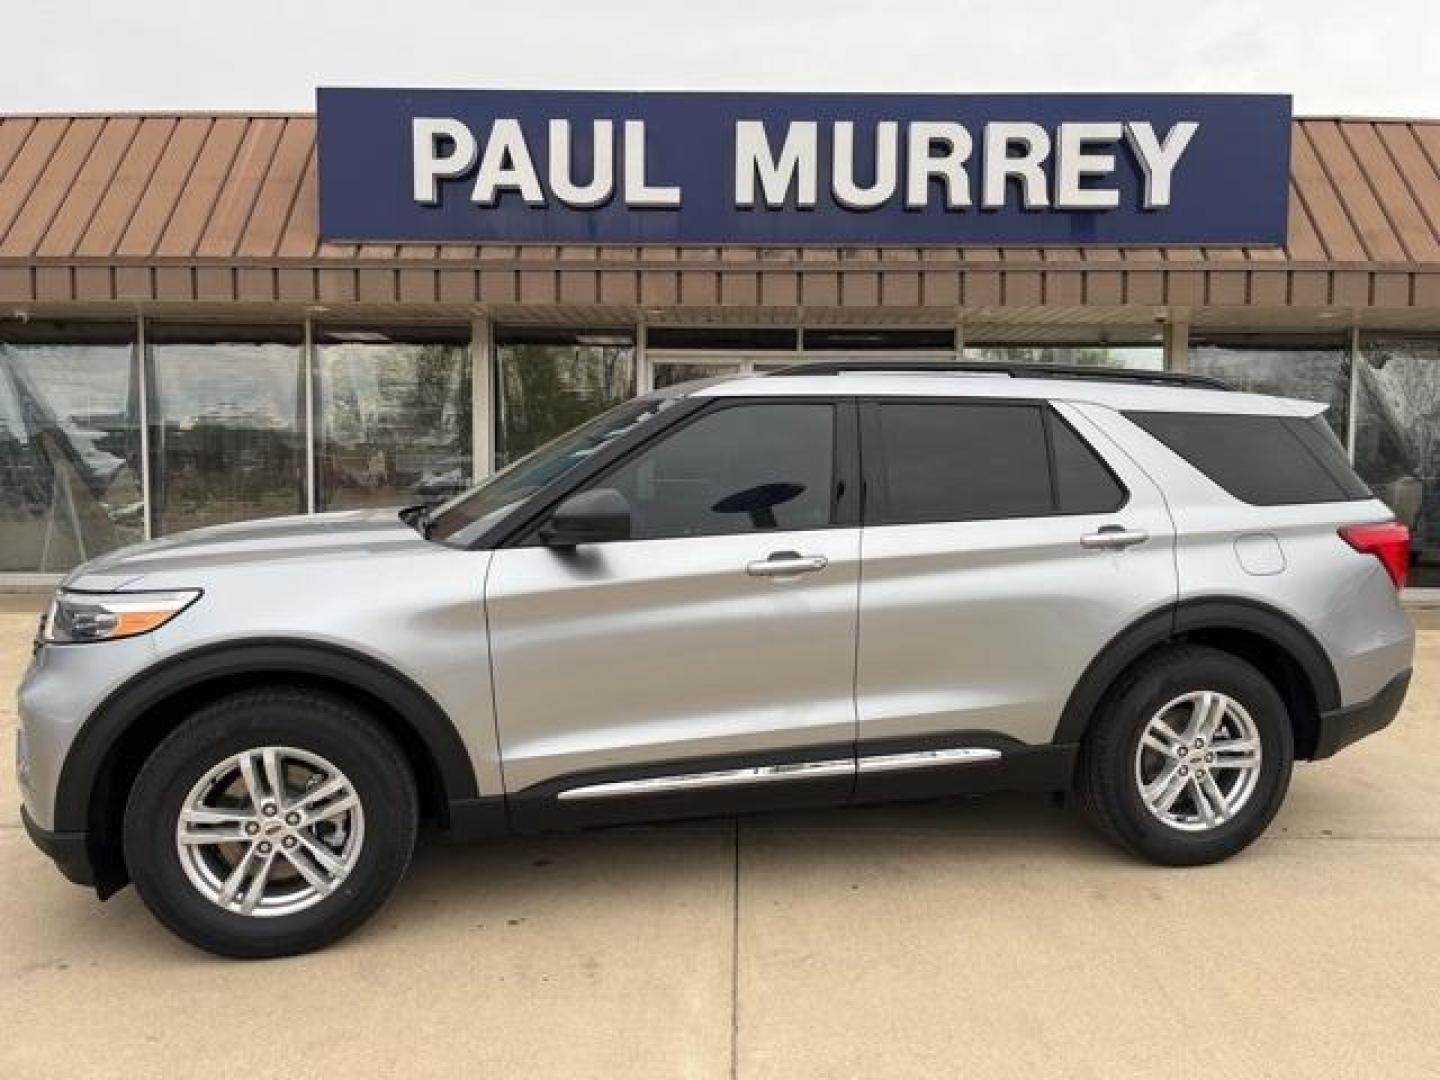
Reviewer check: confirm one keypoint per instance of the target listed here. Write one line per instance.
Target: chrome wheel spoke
(274, 777)
(1209, 712)
(258, 879)
(1161, 738)
(322, 856)
(206, 826)
(334, 809)
(1203, 806)
(1236, 754)
(1161, 795)
(330, 799)
(262, 857)
(234, 834)
(250, 774)
(322, 882)
(231, 888)
(1214, 798)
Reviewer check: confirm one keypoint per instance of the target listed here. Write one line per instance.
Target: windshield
(465, 517)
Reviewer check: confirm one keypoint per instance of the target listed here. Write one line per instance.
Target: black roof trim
(1014, 371)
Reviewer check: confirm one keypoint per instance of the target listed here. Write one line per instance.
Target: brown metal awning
(219, 211)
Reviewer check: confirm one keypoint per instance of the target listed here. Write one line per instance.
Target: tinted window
(955, 461)
(1083, 483)
(746, 468)
(1264, 460)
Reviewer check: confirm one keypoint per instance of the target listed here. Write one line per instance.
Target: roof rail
(1014, 371)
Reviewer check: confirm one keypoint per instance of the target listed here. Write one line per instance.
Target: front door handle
(786, 564)
(1113, 538)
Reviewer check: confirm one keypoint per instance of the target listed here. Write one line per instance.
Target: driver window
(745, 468)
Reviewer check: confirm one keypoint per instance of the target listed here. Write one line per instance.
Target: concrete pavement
(989, 937)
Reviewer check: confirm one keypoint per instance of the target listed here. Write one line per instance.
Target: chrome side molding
(797, 770)
(759, 774)
(920, 759)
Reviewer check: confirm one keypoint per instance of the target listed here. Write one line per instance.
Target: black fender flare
(1201, 613)
(91, 752)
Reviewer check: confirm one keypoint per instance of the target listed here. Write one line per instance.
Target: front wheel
(1190, 759)
(270, 823)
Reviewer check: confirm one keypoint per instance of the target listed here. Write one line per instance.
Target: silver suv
(838, 584)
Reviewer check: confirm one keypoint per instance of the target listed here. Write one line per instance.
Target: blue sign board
(562, 167)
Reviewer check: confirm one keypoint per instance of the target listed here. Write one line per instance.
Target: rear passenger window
(1083, 483)
(961, 461)
(1263, 460)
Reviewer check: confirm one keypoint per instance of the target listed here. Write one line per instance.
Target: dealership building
(213, 318)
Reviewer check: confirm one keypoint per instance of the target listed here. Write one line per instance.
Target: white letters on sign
(1157, 159)
(430, 164)
(798, 163)
(782, 166)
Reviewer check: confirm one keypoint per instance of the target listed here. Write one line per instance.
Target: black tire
(1107, 784)
(303, 719)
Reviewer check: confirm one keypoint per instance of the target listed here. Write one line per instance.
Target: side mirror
(591, 517)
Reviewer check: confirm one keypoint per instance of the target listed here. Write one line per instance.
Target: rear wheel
(270, 823)
(1190, 759)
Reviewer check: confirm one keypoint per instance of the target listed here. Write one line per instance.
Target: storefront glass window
(669, 374)
(226, 424)
(551, 381)
(69, 444)
(393, 416)
(1397, 441)
(1137, 357)
(1310, 368)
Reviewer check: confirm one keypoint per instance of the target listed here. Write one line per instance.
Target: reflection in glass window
(1397, 441)
(747, 468)
(69, 444)
(1310, 368)
(392, 415)
(226, 425)
(1135, 357)
(668, 374)
(552, 381)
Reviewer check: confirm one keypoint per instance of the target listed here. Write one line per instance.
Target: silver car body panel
(955, 616)
(590, 647)
(358, 580)
(1340, 596)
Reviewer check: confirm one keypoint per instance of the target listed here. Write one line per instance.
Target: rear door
(1005, 544)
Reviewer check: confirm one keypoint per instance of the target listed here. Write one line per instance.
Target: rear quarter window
(1262, 460)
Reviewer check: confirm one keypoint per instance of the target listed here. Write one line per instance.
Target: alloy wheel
(1198, 761)
(270, 831)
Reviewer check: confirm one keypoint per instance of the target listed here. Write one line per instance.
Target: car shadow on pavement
(507, 878)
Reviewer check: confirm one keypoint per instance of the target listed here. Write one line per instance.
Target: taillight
(1388, 541)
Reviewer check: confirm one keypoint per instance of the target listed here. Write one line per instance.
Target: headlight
(78, 616)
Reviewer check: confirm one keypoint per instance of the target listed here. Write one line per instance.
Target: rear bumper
(1341, 727)
(68, 851)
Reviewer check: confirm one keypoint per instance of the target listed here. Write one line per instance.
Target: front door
(706, 662)
(1006, 543)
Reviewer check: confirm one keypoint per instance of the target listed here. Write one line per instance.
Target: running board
(764, 774)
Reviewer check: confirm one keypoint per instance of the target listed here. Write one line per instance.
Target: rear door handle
(785, 564)
(1113, 537)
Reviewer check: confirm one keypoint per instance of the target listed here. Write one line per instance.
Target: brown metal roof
(221, 208)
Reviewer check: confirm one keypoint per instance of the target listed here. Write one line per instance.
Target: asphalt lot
(989, 937)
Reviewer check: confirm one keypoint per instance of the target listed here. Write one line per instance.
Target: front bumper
(1341, 727)
(69, 850)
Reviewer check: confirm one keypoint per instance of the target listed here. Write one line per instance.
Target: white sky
(1375, 59)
